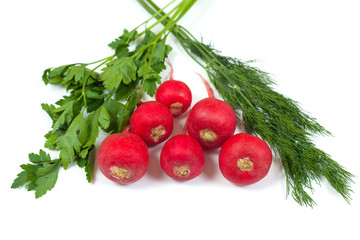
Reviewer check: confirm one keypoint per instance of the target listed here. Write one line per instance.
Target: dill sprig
(270, 115)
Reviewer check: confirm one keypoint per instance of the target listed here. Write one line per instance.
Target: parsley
(93, 102)
(40, 176)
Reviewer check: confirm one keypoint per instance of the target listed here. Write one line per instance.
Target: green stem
(155, 15)
(110, 57)
(181, 9)
(160, 19)
(104, 60)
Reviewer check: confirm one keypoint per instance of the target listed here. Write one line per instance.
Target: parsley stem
(104, 60)
(107, 58)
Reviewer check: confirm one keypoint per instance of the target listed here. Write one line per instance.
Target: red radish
(152, 121)
(211, 121)
(245, 159)
(182, 157)
(176, 95)
(123, 157)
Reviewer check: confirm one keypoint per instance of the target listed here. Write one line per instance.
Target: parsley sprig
(101, 95)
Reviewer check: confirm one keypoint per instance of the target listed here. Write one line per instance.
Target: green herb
(268, 114)
(40, 176)
(93, 102)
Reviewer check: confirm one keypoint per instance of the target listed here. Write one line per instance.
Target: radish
(211, 121)
(245, 159)
(152, 121)
(182, 157)
(176, 95)
(123, 157)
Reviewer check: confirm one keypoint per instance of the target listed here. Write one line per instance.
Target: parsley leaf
(124, 90)
(47, 177)
(42, 157)
(66, 114)
(94, 99)
(159, 52)
(69, 143)
(104, 118)
(92, 124)
(125, 114)
(121, 44)
(114, 108)
(28, 176)
(150, 87)
(150, 78)
(117, 71)
(41, 176)
(75, 72)
(89, 167)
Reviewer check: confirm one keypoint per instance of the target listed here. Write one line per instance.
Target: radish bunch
(124, 157)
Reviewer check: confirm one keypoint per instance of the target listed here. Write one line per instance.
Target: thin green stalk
(180, 8)
(155, 15)
(105, 60)
(160, 18)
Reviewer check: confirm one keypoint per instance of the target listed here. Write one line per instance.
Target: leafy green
(40, 176)
(42, 157)
(69, 143)
(98, 118)
(89, 167)
(117, 71)
(114, 109)
(75, 73)
(160, 52)
(121, 44)
(46, 178)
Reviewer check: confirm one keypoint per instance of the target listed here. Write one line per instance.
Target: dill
(268, 114)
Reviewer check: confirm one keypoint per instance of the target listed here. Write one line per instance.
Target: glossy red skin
(150, 115)
(214, 114)
(182, 150)
(123, 150)
(240, 146)
(173, 91)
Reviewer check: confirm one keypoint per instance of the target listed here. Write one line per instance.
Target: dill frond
(276, 119)
(268, 114)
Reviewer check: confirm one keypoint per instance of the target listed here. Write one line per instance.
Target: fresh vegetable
(152, 121)
(123, 158)
(264, 112)
(245, 159)
(174, 94)
(40, 175)
(211, 121)
(182, 157)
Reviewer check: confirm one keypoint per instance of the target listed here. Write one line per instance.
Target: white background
(311, 48)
